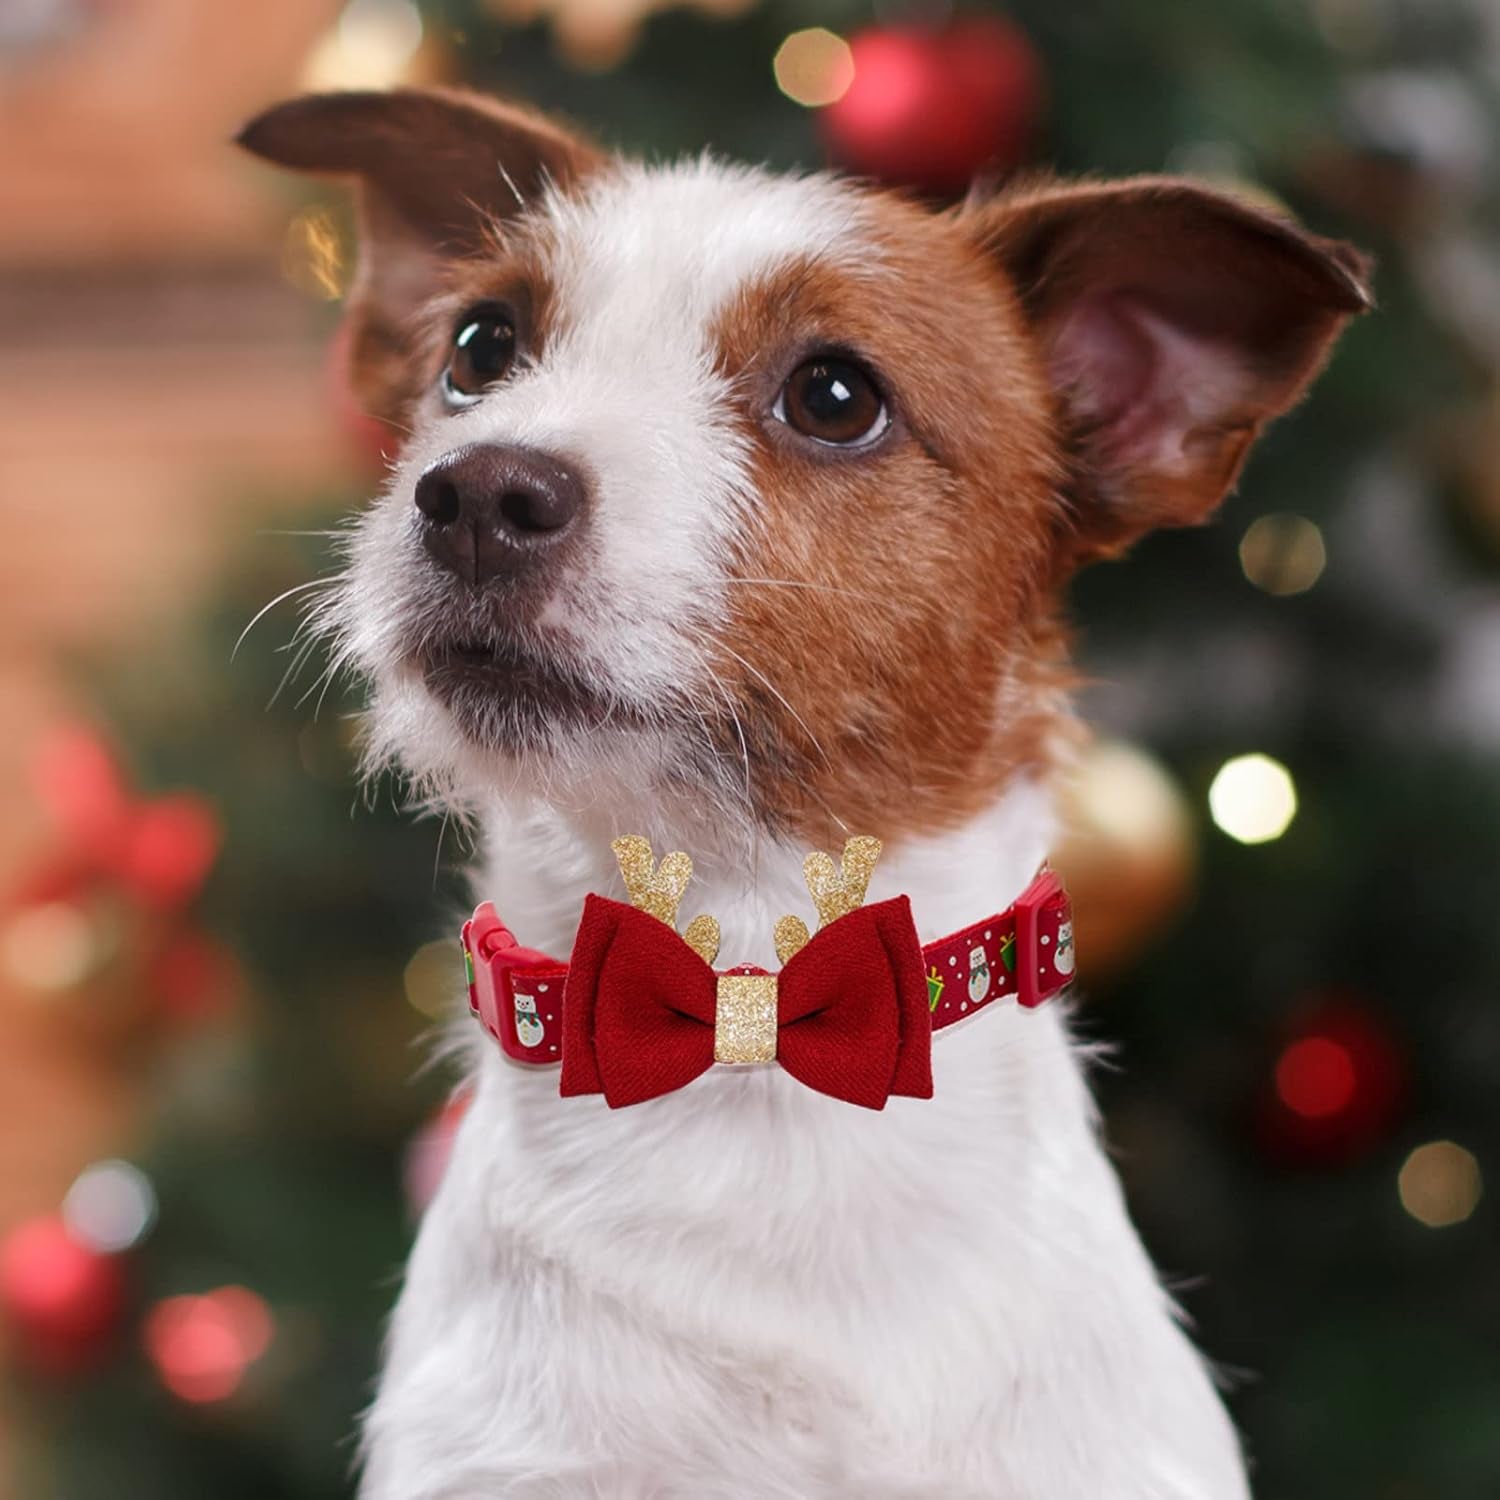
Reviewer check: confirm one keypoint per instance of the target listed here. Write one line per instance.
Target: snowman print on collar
(979, 975)
(1062, 958)
(528, 1025)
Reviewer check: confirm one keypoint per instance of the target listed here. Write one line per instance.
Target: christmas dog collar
(640, 1011)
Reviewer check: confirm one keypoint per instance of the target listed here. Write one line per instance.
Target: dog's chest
(813, 1235)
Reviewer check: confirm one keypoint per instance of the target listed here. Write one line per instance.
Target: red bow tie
(637, 1013)
(646, 1015)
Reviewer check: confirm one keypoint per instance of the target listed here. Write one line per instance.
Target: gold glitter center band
(745, 1019)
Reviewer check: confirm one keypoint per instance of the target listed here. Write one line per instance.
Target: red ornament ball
(63, 1299)
(931, 108)
(170, 849)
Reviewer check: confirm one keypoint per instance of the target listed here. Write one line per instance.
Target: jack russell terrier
(731, 516)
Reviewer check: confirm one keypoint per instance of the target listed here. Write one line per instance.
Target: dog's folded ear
(1175, 322)
(436, 170)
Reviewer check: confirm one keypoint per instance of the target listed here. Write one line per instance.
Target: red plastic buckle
(1029, 990)
(490, 953)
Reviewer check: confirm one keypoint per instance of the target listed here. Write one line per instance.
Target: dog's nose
(488, 510)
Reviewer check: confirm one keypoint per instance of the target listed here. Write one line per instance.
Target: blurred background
(219, 957)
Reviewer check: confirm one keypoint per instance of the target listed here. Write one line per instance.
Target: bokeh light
(814, 67)
(371, 47)
(1253, 798)
(110, 1207)
(202, 1346)
(59, 1294)
(1440, 1184)
(313, 258)
(50, 946)
(1283, 554)
(1315, 1077)
(434, 979)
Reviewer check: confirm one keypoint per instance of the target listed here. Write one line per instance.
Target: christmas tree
(1281, 849)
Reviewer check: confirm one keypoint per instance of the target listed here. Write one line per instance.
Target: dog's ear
(435, 170)
(1175, 322)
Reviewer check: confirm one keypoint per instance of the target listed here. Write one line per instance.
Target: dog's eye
(483, 349)
(832, 400)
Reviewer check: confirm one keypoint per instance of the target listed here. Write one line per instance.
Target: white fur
(744, 1290)
(627, 390)
(748, 1290)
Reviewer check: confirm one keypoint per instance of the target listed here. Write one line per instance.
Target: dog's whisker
(326, 533)
(327, 678)
(776, 692)
(739, 729)
(265, 609)
(437, 857)
(293, 668)
(510, 182)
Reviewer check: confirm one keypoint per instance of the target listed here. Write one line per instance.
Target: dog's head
(753, 491)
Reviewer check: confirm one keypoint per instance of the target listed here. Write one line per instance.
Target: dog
(734, 510)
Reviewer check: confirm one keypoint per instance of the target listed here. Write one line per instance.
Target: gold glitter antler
(702, 936)
(835, 891)
(656, 889)
(838, 892)
(791, 937)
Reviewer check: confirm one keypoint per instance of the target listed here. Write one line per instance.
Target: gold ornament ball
(1126, 851)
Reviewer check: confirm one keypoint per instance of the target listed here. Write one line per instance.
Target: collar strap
(1024, 953)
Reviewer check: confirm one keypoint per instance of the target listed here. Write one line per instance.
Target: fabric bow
(851, 1008)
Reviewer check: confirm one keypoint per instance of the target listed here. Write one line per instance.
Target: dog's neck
(539, 863)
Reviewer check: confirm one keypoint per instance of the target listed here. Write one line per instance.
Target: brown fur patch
(901, 661)
(1069, 366)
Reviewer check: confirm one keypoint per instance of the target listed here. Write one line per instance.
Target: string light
(1283, 554)
(1440, 1184)
(1253, 798)
(110, 1207)
(371, 47)
(814, 67)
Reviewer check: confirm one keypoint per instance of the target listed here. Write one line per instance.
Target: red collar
(1024, 953)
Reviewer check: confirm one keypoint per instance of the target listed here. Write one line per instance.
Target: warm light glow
(814, 67)
(1315, 1077)
(1128, 798)
(110, 1207)
(435, 979)
(312, 255)
(1440, 1184)
(202, 1346)
(1283, 554)
(371, 47)
(1253, 798)
(48, 947)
